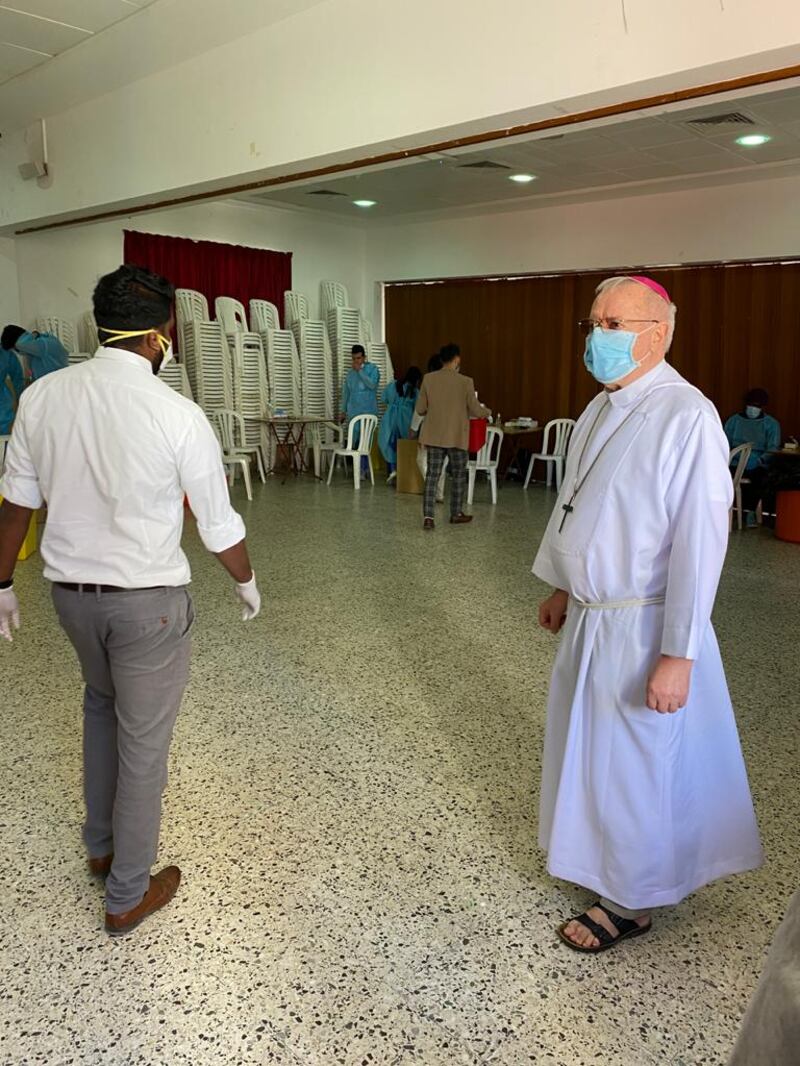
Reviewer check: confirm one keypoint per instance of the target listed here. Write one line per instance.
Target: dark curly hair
(11, 334)
(132, 298)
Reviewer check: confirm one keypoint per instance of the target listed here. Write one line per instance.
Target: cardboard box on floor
(409, 478)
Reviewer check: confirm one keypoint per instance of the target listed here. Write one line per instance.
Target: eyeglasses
(586, 325)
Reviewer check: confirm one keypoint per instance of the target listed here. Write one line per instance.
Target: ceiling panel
(92, 15)
(41, 34)
(33, 31)
(14, 61)
(662, 148)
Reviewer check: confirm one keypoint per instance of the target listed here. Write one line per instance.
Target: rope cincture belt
(614, 605)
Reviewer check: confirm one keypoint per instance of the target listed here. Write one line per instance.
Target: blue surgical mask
(608, 355)
(752, 412)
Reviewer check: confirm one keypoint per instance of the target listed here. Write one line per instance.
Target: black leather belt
(79, 587)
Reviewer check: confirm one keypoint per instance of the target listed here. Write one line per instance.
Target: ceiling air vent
(484, 164)
(731, 118)
(325, 192)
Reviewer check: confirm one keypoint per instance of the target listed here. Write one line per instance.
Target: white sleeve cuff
(220, 537)
(21, 491)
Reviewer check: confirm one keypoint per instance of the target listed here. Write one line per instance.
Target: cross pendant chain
(567, 508)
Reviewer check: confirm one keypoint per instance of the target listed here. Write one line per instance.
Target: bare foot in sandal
(599, 929)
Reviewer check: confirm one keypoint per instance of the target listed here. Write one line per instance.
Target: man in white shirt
(112, 451)
(644, 790)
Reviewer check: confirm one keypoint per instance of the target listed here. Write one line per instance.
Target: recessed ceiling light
(753, 140)
(365, 203)
(522, 179)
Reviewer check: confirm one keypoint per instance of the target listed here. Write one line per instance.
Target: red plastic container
(477, 433)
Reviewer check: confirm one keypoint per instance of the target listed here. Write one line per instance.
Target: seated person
(44, 352)
(753, 426)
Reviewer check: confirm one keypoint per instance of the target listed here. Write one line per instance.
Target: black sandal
(627, 928)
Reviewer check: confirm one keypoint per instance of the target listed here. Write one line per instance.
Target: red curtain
(213, 269)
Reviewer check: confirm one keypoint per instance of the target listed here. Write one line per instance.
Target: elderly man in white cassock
(644, 790)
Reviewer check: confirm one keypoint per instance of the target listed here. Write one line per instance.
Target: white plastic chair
(741, 456)
(60, 328)
(229, 427)
(230, 314)
(4, 439)
(263, 316)
(561, 429)
(487, 460)
(365, 426)
(295, 308)
(87, 333)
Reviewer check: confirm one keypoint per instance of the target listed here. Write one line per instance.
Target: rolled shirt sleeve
(202, 477)
(698, 500)
(20, 482)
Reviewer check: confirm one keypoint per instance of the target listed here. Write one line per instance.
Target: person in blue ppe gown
(754, 426)
(400, 398)
(360, 393)
(12, 382)
(43, 351)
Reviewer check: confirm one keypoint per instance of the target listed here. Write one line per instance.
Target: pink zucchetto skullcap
(659, 290)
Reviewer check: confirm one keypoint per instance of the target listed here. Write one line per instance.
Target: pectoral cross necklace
(568, 507)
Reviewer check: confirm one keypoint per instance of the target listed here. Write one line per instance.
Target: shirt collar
(630, 393)
(122, 355)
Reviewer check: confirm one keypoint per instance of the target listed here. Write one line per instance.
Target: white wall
(348, 77)
(740, 221)
(58, 270)
(9, 288)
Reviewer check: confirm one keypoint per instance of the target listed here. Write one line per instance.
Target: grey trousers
(134, 649)
(458, 479)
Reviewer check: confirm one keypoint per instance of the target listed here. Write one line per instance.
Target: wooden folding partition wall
(738, 326)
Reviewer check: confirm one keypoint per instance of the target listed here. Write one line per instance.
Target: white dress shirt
(112, 451)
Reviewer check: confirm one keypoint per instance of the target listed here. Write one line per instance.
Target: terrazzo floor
(352, 801)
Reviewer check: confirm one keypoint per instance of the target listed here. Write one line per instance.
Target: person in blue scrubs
(44, 352)
(360, 393)
(400, 398)
(754, 426)
(12, 382)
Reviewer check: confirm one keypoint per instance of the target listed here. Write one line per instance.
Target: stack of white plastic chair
(190, 306)
(60, 328)
(174, 374)
(87, 333)
(344, 330)
(316, 378)
(283, 370)
(332, 294)
(263, 316)
(251, 395)
(230, 314)
(208, 365)
(379, 355)
(73, 358)
(295, 308)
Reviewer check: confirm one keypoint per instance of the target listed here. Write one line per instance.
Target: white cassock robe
(641, 807)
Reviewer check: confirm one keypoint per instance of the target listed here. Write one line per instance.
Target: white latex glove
(9, 612)
(250, 598)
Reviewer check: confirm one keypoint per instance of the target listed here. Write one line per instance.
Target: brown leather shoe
(100, 867)
(428, 525)
(162, 888)
(460, 519)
